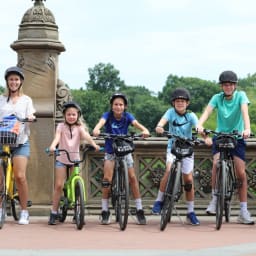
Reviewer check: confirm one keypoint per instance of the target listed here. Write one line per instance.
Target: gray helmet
(14, 70)
(180, 93)
(119, 95)
(228, 76)
(71, 104)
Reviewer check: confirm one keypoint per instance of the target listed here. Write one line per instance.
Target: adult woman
(14, 101)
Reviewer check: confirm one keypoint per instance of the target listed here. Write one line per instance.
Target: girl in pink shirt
(68, 136)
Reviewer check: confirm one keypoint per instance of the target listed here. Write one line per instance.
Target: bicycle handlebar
(57, 153)
(193, 141)
(132, 136)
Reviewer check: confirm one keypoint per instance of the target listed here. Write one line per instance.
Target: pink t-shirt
(70, 140)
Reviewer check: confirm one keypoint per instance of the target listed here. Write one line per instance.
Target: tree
(104, 78)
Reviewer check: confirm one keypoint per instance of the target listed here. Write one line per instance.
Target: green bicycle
(74, 196)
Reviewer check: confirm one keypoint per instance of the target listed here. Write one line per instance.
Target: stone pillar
(38, 48)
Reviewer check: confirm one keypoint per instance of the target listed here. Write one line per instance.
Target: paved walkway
(178, 239)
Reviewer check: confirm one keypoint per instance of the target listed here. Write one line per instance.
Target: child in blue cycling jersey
(117, 121)
(180, 123)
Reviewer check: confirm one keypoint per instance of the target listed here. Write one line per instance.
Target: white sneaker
(24, 217)
(245, 218)
(211, 209)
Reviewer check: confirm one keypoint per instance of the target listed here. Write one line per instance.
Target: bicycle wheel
(15, 203)
(123, 195)
(230, 186)
(220, 187)
(115, 182)
(171, 195)
(2, 195)
(79, 204)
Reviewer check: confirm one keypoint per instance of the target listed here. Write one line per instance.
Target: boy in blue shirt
(232, 114)
(180, 123)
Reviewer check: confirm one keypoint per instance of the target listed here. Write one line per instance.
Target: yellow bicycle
(8, 192)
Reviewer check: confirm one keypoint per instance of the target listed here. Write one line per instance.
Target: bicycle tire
(114, 193)
(15, 204)
(2, 195)
(123, 195)
(230, 186)
(171, 195)
(63, 208)
(79, 204)
(220, 188)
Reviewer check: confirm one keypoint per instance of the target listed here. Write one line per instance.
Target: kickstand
(178, 215)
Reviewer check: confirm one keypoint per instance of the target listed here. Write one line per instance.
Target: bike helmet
(228, 76)
(180, 93)
(14, 70)
(71, 104)
(119, 95)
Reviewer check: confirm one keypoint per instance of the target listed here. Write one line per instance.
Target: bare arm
(86, 136)
(99, 125)
(160, 125)
(142, 128)
(207, 112)
(55, 141)
(246, 118)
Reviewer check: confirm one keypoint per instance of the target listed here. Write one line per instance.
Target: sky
(146, 40)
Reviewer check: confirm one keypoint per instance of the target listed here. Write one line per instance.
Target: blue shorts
(59, 164)
(21, 150)
(238, 151)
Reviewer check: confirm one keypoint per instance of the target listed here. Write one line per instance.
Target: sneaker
(105, 217)
(245, 218)
(24, 217)
(157, 207)
(141, 220)
(211, 209)
(192, 219)
(52, 219)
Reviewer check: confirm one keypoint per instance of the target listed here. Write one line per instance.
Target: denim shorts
(59, 164)
(21, 150)
(238, 151)
(128, 158)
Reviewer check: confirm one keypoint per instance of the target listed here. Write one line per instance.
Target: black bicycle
(122, 146)
(181, 148)
(226, 181)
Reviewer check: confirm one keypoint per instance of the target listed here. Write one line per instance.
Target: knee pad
(188, 187)
(105, 184)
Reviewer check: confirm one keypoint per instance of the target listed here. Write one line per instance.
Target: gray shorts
(128, 158)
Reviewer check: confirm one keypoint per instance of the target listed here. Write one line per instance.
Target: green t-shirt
(229, 115)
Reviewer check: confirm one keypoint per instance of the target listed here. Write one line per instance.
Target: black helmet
(228, 76)
(71, 104)
(180, 93)
(14, 70)
(118, 95)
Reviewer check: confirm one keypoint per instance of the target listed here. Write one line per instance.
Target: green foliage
(147, 108)
(104, 78)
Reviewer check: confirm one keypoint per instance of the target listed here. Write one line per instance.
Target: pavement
(94, 239)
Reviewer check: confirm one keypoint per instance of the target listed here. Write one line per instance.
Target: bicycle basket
(182, 148)
(9, 130)
(225, 142)
(122, 146)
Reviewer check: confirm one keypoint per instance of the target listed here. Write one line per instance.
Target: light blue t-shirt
(180, 125)
(229, 115)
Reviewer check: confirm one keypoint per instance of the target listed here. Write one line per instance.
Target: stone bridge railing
(149, 158)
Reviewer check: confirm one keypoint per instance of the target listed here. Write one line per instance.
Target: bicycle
(181, 148)
(226, 180)
(122, 145)
(8, 192)
(74, 195)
